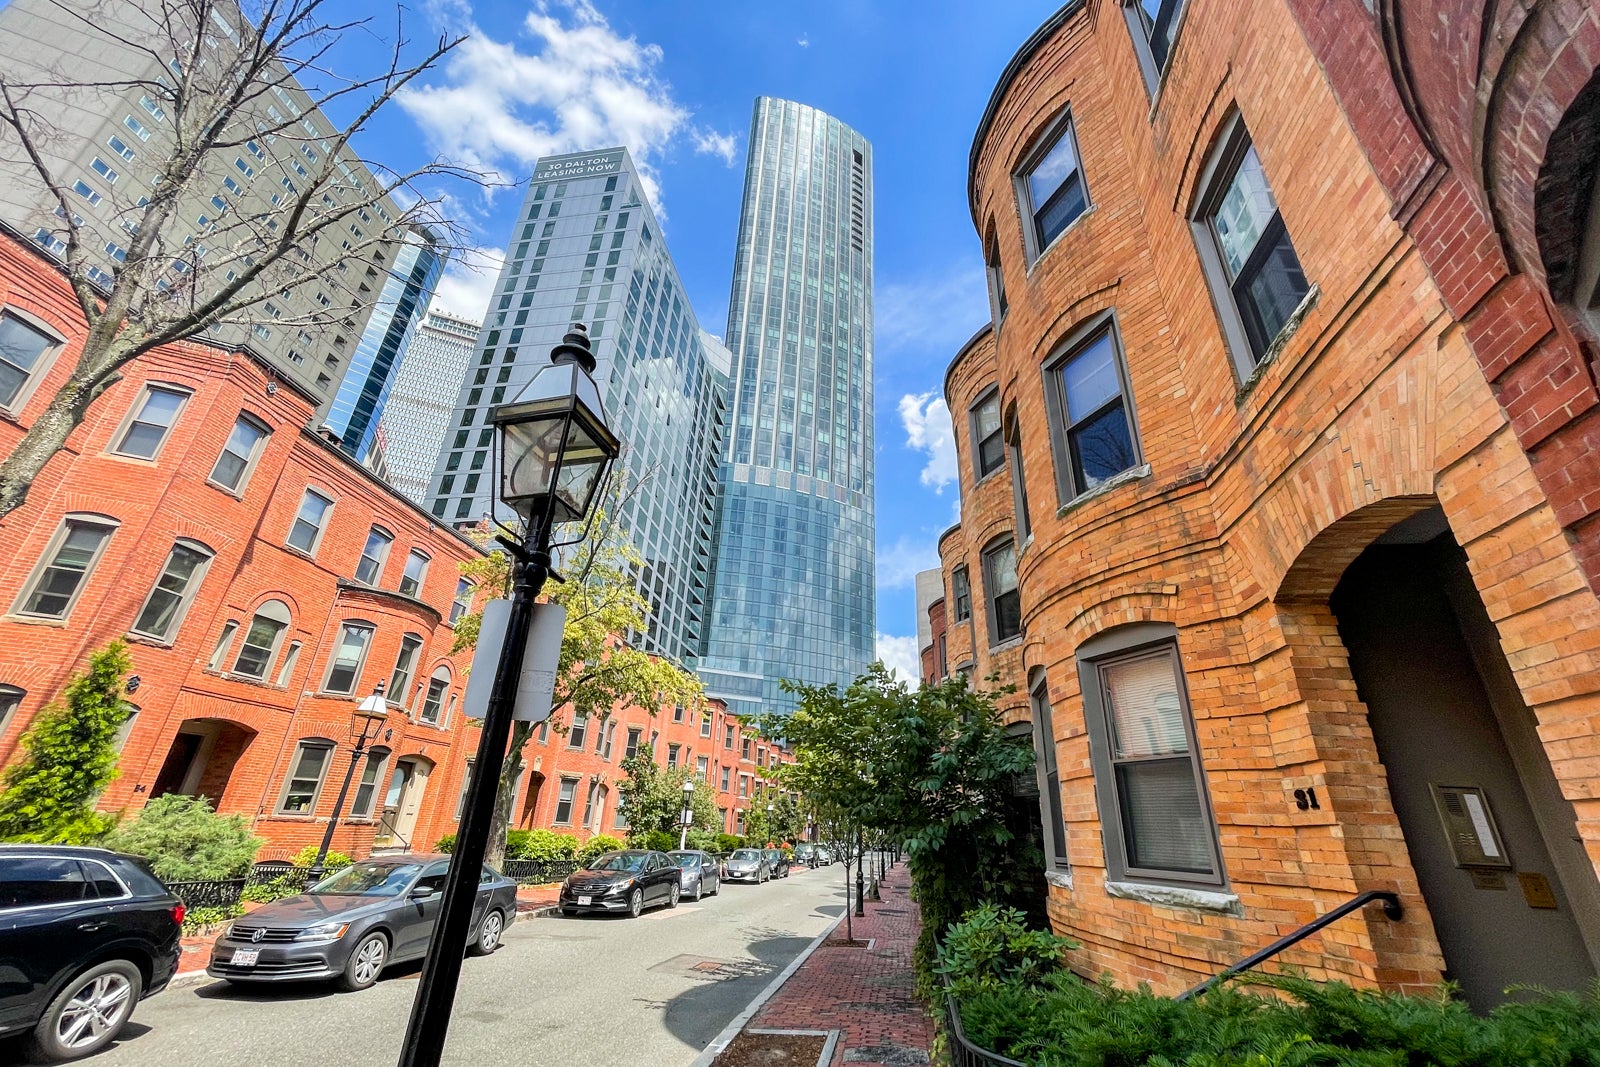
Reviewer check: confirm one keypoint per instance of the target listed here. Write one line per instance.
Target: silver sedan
(698, 873)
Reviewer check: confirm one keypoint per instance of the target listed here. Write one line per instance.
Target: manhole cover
(708, 967)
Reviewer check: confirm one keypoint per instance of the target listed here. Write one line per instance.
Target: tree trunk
(48, 435)
(505, 796)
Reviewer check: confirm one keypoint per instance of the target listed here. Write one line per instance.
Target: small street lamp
(688, 813)
(555, 450)
(772, 837)
(369, 715)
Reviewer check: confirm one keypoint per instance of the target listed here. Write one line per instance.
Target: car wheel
(636, 903)
(489, 932)
(365, 963)
(699, 889)
(89, 1012)
(672, 895)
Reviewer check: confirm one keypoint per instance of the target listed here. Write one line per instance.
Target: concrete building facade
(795, 588)
(412, 429)
(1278, 478)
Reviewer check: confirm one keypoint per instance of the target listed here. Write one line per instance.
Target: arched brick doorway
(201, 759)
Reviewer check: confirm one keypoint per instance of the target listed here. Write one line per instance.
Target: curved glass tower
(794, 594)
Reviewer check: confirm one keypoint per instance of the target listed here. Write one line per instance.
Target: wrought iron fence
(963, 1053)
(538, 872)
(220, 893)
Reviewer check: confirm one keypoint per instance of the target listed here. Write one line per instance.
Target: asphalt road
(592, 990)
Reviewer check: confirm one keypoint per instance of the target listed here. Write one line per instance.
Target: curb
(731, 1031)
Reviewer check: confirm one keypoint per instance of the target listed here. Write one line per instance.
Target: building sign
(583, 165)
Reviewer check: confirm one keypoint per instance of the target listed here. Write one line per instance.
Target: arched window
(262, 639)
(433, 701)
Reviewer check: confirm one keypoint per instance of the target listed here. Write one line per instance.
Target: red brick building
(1280, 472)
(266, 585)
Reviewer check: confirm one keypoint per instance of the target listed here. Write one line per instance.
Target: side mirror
(423, 892)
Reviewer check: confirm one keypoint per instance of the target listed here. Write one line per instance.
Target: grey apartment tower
(587, 248)
(794, 592)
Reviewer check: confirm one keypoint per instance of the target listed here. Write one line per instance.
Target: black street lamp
(555, 449)
(369, 715)
(688, 813)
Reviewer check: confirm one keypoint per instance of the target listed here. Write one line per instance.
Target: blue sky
(676, 82)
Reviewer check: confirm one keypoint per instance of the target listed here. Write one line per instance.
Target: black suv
(84, 934)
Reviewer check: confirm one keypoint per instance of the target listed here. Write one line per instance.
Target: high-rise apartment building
(100, 77)
(417, 416)
(794, 595)
(587, 248)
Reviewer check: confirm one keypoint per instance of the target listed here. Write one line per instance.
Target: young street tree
(597, 671)
(650, 798)
(194, 251)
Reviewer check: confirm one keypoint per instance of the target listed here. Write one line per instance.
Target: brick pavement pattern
(866, 994)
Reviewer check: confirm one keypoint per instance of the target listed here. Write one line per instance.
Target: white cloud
(932, 316)
(804, 41)
(928, 429)
(567, 82)
(468, 283)
(725, 146)
(900, 655)
(899, 563)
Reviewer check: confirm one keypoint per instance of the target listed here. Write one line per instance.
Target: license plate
(245, 957)
(586, 900)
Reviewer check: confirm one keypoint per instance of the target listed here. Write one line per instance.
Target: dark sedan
(84, 934)
(777, 862)
(353, 924)
(626, 882)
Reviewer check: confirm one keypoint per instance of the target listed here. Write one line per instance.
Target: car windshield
(371, 879)
(745, 854)
(772, 853)
(685, 859)
(619, 861)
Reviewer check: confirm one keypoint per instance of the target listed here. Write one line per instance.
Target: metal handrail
(1391, 910)
(963, 1053)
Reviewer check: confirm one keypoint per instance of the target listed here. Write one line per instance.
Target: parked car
(698, 873)
(627, 881)
(824, 855)
(806, 853)
(357, 921)
(748, 865)
(777, 862)
(84, 935)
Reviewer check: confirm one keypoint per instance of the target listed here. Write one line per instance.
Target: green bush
(993, 946)
(447, 843)
(267, 892)
(1064, 1020)
(596, 845)
(195, 918)
(728, 842)
(659, 840)
(185, 841)
(334, 861)
(544, 845)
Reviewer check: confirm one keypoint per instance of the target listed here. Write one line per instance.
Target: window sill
(147, 640)
(39, 620)
(1007, 645)
(1279, 343)
(237, 494)
(1172, 896)
(295, 550)
(985, 478)
(1059, 879)
(1132, 474)
(1062, 236)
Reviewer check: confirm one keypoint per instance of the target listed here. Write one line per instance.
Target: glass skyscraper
(794, 593)
(423, 400)
(587, 248)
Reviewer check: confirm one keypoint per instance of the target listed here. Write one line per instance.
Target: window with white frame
(239, 454)
(632, 748)
(367, 788)
(152, 419)
(306, 531)
(1000, 590)
(1091, 411)
(219, 654)
(307, 770)
(432, 710)
(1050, 188)
(1148, 777)
(291, 660)
(175, 587)
(262, 639)
(415, 574)
(369, 568)
(463, 600)
(564, 799)
(344, 670)
(405, 662)
(579, 730)
(988, 447)
(25, 351)
(1245, 251)
(64, 569)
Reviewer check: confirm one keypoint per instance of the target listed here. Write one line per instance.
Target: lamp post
(369, 715)
(554, 451)
(688, 813)
(772, 838)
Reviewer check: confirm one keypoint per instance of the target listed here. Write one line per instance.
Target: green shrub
(333, 861)
(543, 845)
(195, 918)
(267, 892)
(728, 842)
(596, 845)
(185, 841)
(1063, 1020)
(659, 840)
(447, 843)
(993, 946)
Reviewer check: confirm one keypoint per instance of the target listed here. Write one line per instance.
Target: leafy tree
(931, 768)
(70, 756)
(186, 841)
(650, 797)
(176, 280)
(597, 671)
(598, 845)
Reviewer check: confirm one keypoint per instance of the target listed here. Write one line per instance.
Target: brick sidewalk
(865, 994)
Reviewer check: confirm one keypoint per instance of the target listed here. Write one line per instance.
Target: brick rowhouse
(1308, 609)
(252, 669)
